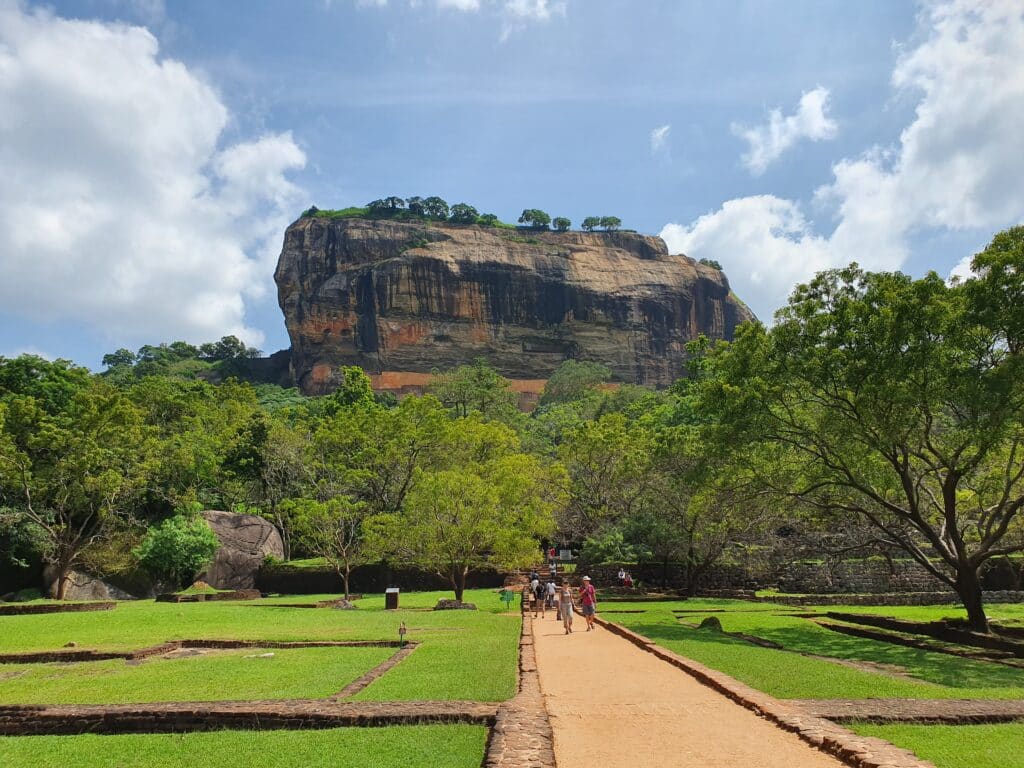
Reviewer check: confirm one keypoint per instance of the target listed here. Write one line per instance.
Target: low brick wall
(34, 720)
(26, 609)
(238, 594)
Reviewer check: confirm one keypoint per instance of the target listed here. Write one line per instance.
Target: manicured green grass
(214, 676)
(463, 654)
(439, 746)
(789, 674)
(957, 746)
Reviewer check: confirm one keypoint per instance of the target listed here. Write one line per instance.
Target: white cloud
(659, 136)
(535, 10)
(119, 207)
(768, 142)
(460, 5)
(957, 165)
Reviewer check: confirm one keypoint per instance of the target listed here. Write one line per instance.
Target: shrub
(177, 549)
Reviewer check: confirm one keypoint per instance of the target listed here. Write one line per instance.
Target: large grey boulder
(245, 541)
(82, 586)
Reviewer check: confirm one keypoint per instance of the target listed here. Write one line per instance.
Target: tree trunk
(344, 579)
(458, 578)
(664, 573)
(63, 577)
(968, 587)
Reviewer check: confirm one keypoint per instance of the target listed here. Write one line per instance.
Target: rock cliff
(407, 297)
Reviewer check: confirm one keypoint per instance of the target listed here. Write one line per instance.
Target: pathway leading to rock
(612, 705)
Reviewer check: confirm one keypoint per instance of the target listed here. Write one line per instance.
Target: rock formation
(403, 298)
(245, 542)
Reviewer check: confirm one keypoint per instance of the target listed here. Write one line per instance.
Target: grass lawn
(439, 746)
(957, 746)
(788, 674)
(213, 676)
(466, 655)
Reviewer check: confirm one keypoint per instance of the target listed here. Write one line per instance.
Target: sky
(152, 153)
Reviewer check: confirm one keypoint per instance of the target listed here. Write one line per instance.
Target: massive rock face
(408, 297)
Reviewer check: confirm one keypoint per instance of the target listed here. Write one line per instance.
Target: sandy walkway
(612, 704)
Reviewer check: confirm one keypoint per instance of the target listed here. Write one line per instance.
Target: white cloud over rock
(768, 142)
(957, 165)
(120, 206)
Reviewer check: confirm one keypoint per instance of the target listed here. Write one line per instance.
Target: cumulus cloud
(120, 206)
(659, 137)
(768, 142)
(957, 165)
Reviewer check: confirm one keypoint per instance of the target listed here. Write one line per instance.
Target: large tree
(476, 387)
(333, 529)
(491, 514)
(895, 400)
(72, 474)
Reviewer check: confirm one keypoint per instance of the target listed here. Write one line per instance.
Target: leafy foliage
(176, 550)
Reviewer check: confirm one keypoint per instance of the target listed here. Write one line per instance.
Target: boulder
(82, 586)
(245, 542)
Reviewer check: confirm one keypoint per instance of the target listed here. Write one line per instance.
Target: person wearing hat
(588, 602)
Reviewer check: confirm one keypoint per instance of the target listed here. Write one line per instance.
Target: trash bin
(391, 598)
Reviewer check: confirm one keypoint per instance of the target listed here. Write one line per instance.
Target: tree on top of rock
(611, 223)
(591, 223)
(535, 218)
(463, 213)
(415, 206)
(561, 224)
(435, 208)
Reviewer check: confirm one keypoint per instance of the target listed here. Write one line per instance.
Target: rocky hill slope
(407, 297)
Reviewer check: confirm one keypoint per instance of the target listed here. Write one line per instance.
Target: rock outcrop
(403, 298)
(245, 542)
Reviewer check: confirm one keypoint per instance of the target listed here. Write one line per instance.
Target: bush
(177, 549)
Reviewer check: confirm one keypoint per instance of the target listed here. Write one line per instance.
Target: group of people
(547, 595)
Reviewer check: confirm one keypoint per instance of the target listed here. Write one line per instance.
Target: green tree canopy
(476, 387)
(895, 401)
(536, 218)
(573, 379)
(463, 213)
(177, 550)
(436, 208)
(561, 224)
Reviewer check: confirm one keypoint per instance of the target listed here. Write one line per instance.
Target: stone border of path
(522, 736)
(854, 750)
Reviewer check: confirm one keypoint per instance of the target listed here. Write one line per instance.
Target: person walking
(565, 606)
(549, 595)
(539, 593)
(588, 602)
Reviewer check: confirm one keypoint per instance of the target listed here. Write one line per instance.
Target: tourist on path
(565, 606)
(549, 595)
(539, 593)
(588, 602)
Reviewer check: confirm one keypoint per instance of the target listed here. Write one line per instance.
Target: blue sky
(157, 152)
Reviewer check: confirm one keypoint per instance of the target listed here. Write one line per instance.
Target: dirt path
(612, 705)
